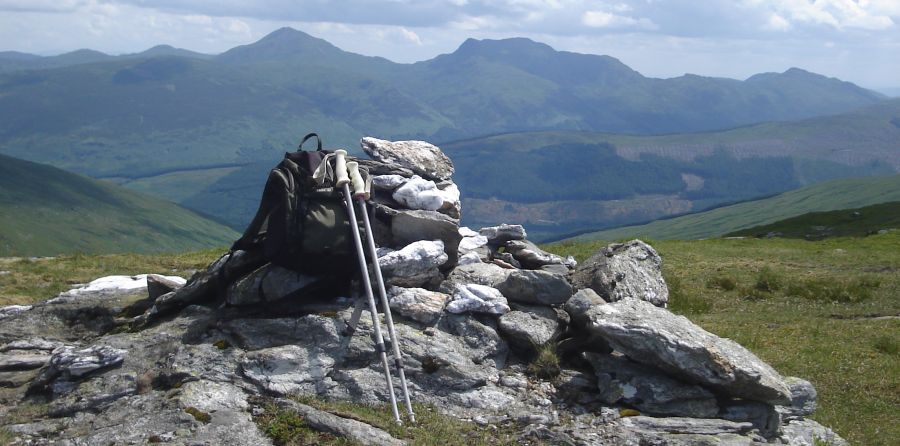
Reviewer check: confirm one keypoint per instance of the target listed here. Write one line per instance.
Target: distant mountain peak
(279, 44)
(513, 45)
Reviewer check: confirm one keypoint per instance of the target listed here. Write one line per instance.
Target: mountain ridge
(47, 211)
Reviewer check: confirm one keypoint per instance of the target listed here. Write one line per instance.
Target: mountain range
(203, 129)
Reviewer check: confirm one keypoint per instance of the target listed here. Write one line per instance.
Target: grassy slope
(842, 223)
(47, 211)
(832, 195)
(844, 337)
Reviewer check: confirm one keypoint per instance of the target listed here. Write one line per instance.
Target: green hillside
(856, 222)
(559, 182)
(47, 211)
(832, 195)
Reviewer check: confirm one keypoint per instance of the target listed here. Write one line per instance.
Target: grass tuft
(724, 283)
(431, 428)
(834, 290)
(6, 437)
(768, 281)
(198, 414)
(685, 303)
(886, 344)
(545, 364)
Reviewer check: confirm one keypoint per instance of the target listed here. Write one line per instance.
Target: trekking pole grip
(359, 185)
(340, 167)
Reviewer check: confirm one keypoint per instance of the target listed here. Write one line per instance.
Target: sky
(854, 40)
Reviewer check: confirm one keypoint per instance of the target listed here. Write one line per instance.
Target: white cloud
(777, 23)
(603, 19)
(838, 14)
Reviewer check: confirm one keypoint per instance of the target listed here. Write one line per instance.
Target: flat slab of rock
(684, 425)
(418, 304)
(536, 287)
(631, 270)
(474, 298)
(421, 157)
(498, 235)
(408, 226)
(531, 257)
(415, 264)
(656, 337)
(621, 381)
(22, 360)
(530, 327)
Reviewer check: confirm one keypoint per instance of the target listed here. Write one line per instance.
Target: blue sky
(855, 40)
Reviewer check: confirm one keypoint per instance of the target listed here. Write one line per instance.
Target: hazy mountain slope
(563, 182)
(854, 222)
(48, 211)
(832, 195)
(104, 115)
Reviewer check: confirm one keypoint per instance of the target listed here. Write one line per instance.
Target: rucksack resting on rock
(302, 216)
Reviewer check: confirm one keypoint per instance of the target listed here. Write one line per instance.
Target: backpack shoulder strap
(275, 181)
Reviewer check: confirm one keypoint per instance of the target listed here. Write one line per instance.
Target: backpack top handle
(318, 140)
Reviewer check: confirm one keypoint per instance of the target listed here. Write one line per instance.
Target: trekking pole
(361, 193)
(342, 180)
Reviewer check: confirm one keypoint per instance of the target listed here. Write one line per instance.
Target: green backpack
(302, 224)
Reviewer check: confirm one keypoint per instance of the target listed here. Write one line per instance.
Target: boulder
(158, 285)
(498, 235)
(579, 304)
(474, 298)
(535, 287)
(415, 265)
(806, 432)
(656, 337)
(624, 271)
(408, 226)
(532, 257)
(420, 157)
(387, 182)
(803, 399)
(69, 363)
(468, 244)
(417, 193)
(418, 304)
(480, 273)
(267, 283)
(529, 327)
(469, 258)
(452, 205)
(621, 381)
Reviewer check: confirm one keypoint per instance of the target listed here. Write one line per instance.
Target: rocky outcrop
(655, 337)
(624, 271)
(420, 157)
(195, 363)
